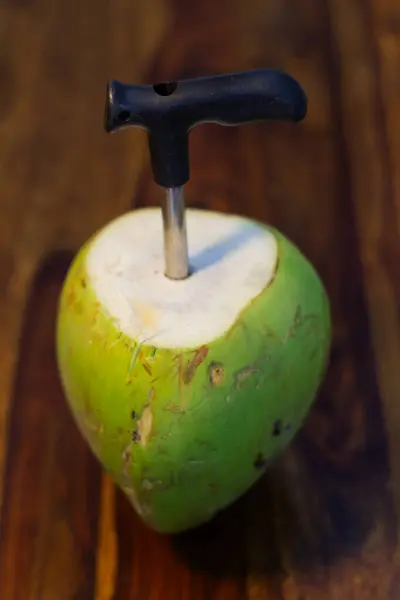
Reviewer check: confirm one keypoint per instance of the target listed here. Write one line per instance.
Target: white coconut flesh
(232, 260)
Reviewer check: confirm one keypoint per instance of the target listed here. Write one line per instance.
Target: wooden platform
(324, 523)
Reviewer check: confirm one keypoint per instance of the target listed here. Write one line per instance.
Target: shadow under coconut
(304, 515)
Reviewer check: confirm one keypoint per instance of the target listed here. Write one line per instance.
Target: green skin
(186, 432)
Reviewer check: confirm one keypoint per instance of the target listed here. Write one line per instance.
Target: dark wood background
(324, 522)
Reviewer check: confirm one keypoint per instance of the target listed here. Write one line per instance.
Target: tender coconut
(187, 390)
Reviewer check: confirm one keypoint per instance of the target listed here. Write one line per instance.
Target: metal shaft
(175, 241)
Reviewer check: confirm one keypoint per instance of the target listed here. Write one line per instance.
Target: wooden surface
(324, 522)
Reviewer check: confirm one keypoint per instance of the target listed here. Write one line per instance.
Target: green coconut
(187, 390)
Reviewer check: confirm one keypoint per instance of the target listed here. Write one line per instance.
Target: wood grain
(324, 522)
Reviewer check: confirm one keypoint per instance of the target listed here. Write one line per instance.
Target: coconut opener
(169, 111)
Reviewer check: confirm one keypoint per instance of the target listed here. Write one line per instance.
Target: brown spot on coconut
(216, 373)
(241, 375)
(191, 368)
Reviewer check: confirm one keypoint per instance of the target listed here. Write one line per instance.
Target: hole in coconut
(123, 116)
(259, 462)
(166, 88)
(135, 436)
(277, 430)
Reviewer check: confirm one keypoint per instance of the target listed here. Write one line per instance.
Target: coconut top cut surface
(232, 259)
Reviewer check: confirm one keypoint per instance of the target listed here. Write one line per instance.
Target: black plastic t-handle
(168, 111)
